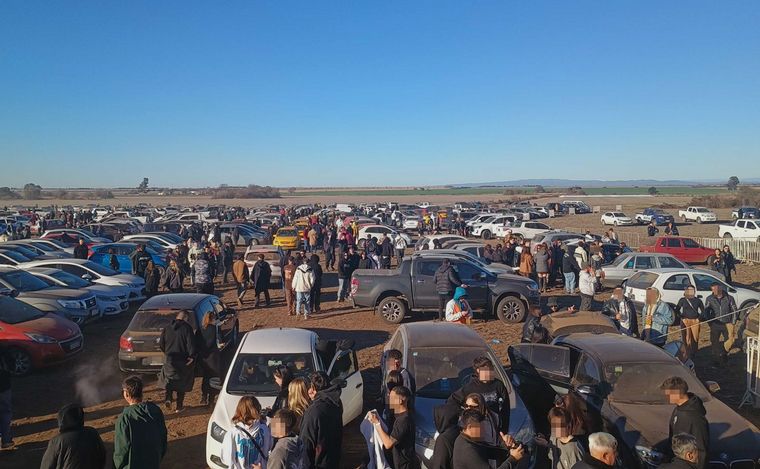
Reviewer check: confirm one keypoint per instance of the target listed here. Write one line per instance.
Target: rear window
(13, 311)
(268, 256)
(153, 319)
(289, 233)
(23, 281)
(642, 280)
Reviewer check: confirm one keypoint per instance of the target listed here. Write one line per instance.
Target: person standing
(484, 382)
(152, 279)
(556, 254)
(173, 278)
(657, 317)
(113, 261)
(303, 281)
(313, 238)
(569, 268)
(729, 263)
(386, 252)
(564, 449)
(587, 287)
(228, 251)
(139, 440)
(6, 406)
(75, 446)
(603, 451)
(688, 416)
(322, 424)
(652, 229)
(208, 352)
(446, 280)
(177, 374)
(247, 444)
(400, 245)
(720, 310)
(81, 251)
(345, 270)
(240, 275)
(685, 449)
(470, 452)
(262, 276)
(402, 436)
(446, 418)
(623, 312)
(140, 260)
(328, 246)
(717, 263)
(542, 261)
(289, 451)
(315, 296)
(288, 272)
(690, 309)
(527, 263)
(203, 280)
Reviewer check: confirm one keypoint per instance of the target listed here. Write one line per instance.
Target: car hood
(128, 278)
(226, 405)
(50, 325)
(55, 293)
(648, 424)
(106, 290)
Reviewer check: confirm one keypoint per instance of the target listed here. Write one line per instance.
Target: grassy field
(665, 190)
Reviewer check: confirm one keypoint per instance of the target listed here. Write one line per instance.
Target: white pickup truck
(698, 214)
(523, 229)
(741, 229)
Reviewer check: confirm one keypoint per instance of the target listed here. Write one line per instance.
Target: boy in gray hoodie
(289, 452)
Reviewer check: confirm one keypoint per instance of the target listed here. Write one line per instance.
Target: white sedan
(251, 374)
(616, 218)
(377, 231)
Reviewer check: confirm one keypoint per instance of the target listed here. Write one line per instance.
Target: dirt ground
(93, 377)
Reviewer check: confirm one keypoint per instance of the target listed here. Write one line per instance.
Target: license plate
(153, 361)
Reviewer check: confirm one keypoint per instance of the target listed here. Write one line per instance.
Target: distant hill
(600, 183)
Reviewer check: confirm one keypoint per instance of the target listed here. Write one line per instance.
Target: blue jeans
(569, 282)
(341, 285)
(5, 417)
(302, 298)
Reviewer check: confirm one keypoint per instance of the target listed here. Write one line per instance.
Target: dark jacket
(721, 308)
(495, 394)
(590, 462)
(81, 251)
(317, 269)
(678, 463)
(469, 454)
(569, 264)
(386, 249)
(152, 281)
(262, 275)
(178, 344)
(345, 268)
(446, 279)
(139, 440)
(140, 261)
(689, 417)
(76, 446)
(611, 308)
(289, 452)
(446, 419)
(533, 331)
(208, 350)
(322, 429)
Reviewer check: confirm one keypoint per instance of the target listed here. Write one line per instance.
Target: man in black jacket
(603, 449)
(686, 452)
(140, 260)
(345, 270)
(471, 453)
(315, 296)
(262, 275)
(178, 344)
(446, 418)
(81, 251)
(688, 416)
(386, 252)
(76, 446)
(493, 390)
(322, 424)
(446, 280)
(623, 312)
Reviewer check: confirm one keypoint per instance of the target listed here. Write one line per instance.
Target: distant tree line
(251, 191)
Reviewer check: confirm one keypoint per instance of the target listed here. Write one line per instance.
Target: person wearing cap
(458, 309)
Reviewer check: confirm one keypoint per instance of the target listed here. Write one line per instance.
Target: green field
(665, 190)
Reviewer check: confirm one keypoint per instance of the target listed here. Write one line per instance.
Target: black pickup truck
(410, 288)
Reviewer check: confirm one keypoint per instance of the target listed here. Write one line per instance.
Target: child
(564, 449)
(249, 440)
(289, 452)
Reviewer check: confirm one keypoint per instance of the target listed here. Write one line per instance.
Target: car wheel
(21, 362)
(392, 309)
(616, 223)
(254, 242)
(683, 219)
(748, 304)
(727, 236)
(511, 309)
(699, 220)
(486, 234)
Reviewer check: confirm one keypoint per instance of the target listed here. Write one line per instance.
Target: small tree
(540, 189)
(32, 191)
(733, 183)
(652, 191)
(143, 187)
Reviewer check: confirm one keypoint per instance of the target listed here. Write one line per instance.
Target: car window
(642, 280)
(704, 282)
(344, 366)
(439, 371)
(671, 262)
(427, 268)
(640, 382)
(690, 243)
(587, 372)
(677, 282)
(72, 269)
(13, 311)
(740, 224)
(253, 373)
(466, 271)
(750, 225)
(22, 281)
(70, 280)
(644, 262)
(674, 243)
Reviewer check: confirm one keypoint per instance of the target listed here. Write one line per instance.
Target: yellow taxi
(287, 238)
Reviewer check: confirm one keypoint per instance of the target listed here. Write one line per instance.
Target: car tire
(683, 219)
(21, 362)
(392, 309)
(727, 236)
(616, 223)
(486, 234)
(699, 220)
(748, 304)
(511, 309)
(254, 242)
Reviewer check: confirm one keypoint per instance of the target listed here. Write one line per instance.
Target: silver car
(628, 263)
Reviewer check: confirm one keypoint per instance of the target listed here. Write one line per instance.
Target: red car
(35, 339)
(684, 249)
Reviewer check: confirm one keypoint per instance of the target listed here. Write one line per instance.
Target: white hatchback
(250, 374)
(616, 218)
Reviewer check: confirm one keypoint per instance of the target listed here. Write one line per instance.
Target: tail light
(125, 344)
(354, 286)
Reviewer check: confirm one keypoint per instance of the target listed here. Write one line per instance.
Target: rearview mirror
(215, 383)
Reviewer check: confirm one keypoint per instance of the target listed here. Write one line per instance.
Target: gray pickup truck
(410, 288)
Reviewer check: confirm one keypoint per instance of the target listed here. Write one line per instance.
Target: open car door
(345, 368)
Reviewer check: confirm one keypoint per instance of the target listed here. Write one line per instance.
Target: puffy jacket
(303, 280)
(446, 279)
(76, 446)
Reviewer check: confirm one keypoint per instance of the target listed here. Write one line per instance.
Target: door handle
(420, 281)
(359, 385)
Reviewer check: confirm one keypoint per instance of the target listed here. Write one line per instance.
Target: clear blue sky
(286, 93)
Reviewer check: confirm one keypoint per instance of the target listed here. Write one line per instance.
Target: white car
(479, 218)
(411, 222)
(672, 282)
(96, 273)
(377, 231)
(741, 229)
(250, 374)
(616, 218)
(111, 300)
(525, 229)
(698, 214)
(272, 254)
(487, 227)
(429, 240)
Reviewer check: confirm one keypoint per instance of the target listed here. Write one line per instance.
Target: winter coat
(590, 462)
(469, 454)
(446, 418)
(81, 251)
(152, 280)
(172, 279)
(262, 275)
(345, 268)
(446, 279)
(678, 463)
(662, 318)
(178, 344)
(611, 308)
(140, 261)
(139, 440)
(208, 350)
(317, 270)
(288, 453)
(303, 280)
(240, 271)
(721, 308)
(288, 272)
(76, 446)
(386, 248)
(322, 429)
(202, 269)
(239, 452)
(526, 262)
(689, 417)
(569, 264)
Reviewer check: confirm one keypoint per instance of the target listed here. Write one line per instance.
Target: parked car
(629, 263)
(618, 377)
(50, 245)
(684, 249)
(101, 254)
(37, 250)
(287, 238)
(272, 254)
(740, 229)
(411, 222)
(616, 218)
(495, 268)
(486, 228)
(656, 215)
(672, 282)
(439, 357)
(70, 236)
(522, 229)
(139, 344)
(247, 235)
(97, 273)
(698, 214)
(565, 323)
(111, 300)
(164, 241)
(377, 231)
(745, 212)
(259, 353)
(410, 287)
(79, 306)
(12, 258)
(34, 338)
(428, 241)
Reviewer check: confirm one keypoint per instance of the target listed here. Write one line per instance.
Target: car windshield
(26, 252)
(439, 371)
(15, 256)
(70, 280)
(151, 320)
(252, 373)
(13, 311)
(642, 280)
(702, 210)
(618, 214)
(23, 281)
(639, 383)
(44, 247)
(99, 269)
(286, 233)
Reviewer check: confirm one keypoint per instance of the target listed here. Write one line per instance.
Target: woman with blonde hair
(248, 442)
(657, 316)
(298, 398)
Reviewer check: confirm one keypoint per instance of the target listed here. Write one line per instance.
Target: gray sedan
(629, 263)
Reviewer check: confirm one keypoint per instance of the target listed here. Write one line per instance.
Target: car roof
(616, 348)
(278, 340)
(42, 270)
(174, 301)
(265, 248)
(432, 334)
(591, 321)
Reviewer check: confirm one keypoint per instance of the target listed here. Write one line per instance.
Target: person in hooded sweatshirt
(139, 440)
(493, 391)
(322, 423)
(289, 451)
(178, 343)
(686, 452)
(247, 444)
(76, 446)
(446, 418)
(470, 452)
(688, 416)
(315, 296)
(458, 309)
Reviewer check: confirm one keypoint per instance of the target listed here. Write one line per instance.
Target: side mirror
(587, 389)
(712, 386)
(87, 276)
(478, 276)
(215, 383)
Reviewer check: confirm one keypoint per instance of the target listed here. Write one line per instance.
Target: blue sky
(347, 93)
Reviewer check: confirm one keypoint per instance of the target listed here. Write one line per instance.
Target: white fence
(743, 249)
(752, 395)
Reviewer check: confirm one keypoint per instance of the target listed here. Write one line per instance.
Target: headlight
(40, 338)
(532, 286)
(649, 456)
(217, 432)
(71, 304)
